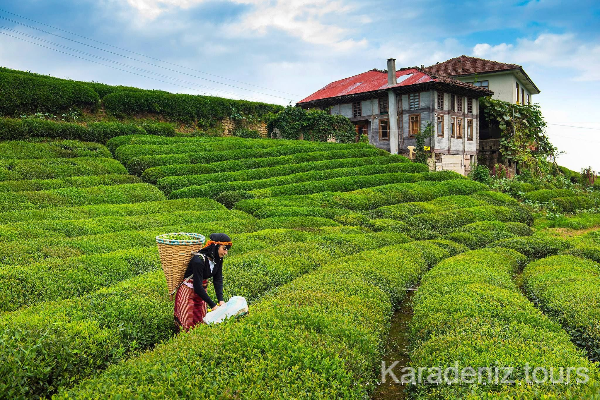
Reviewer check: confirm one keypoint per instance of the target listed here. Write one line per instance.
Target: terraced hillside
(327, 239)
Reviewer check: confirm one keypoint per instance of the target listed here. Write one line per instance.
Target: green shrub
(159, 129)
(114, 223)
(303, 182)
(152, 175)
(137, 165)
(103, 131)
(75, 181)
(71, 196)
(52, 168)
(567, 289)
(20, 149)
(189, 109)
(170, 183)
(115, 310)
(445, 221)
(32, 93)
(534, 247)
(481, 173)
(545, 195)
(111, 210)
(469, 313)
(572, 204)
(322, 316)
(247, 133)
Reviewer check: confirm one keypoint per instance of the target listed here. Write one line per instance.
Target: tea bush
(170, 183)
(480, 234)
(74, 181)
(137, 165)
(153, 174)
(469, 313)
(31, 93)
(20, 149)
(567, 288)
(341, 177)
(534, 247)
(545, 195)
(70, 196)
(108, 210)
(319, 320)
(115, 310)
(108, 224)
(58, 168)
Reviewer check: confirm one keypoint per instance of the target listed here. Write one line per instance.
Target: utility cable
(112, 61)
(95, 62)
(121, 55)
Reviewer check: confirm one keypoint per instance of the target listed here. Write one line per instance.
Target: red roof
(376, 80)
(367, 82)
(465, 65)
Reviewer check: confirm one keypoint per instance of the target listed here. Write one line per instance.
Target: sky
(281, 51)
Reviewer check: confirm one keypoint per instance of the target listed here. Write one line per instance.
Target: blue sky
(282, 51)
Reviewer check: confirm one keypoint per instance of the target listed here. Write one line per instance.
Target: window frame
(459, 128)
(459, 104)
(469, 105)
(453, 127)
(469, 128)
(440, 120)
(452, 102)
(412, 97)
(387, 123)
(410, 124)
(384, 101)
(440, 100)
(357, 105)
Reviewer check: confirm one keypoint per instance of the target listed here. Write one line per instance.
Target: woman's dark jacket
(199, 268)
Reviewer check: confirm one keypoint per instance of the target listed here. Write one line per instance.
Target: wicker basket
(175, 254)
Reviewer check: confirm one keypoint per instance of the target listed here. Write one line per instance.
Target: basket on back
(175, 250)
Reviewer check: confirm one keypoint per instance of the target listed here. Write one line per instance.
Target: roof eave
(448, 87)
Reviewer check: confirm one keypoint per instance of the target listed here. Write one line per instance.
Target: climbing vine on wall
(523, 132)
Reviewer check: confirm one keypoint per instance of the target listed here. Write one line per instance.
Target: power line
(130, 51)
(108, 60)
(95, 62)
(580, 127)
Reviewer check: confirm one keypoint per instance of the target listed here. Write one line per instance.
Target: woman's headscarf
(210, 249)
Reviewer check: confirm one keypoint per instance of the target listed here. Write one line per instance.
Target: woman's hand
(221, 303)
(215, 307)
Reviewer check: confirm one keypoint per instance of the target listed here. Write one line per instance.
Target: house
(509, 82)
(393, 106)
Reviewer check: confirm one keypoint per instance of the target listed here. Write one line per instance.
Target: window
(459, 128)
(440, 125)
(469, 129)
(517, 93)
(356, 109)
(522, 95)
(414, 125)
(528, 100)
(384, 129)
(414, 100)
(383, 105)
(482, 83)
(453, 127)
(452, 102)
(459, 103)
(469, 105)
(440, 100)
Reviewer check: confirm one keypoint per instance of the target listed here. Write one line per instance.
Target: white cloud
(304, 19)
(549, 50)
(151, 9)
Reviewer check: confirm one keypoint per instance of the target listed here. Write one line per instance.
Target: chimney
(391, 68)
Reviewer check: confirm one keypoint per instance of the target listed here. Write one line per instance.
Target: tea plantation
(328, 240)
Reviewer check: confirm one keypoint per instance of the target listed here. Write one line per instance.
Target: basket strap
(178, 286)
